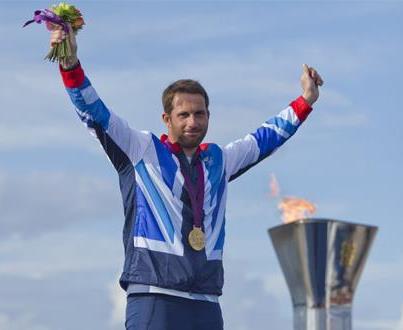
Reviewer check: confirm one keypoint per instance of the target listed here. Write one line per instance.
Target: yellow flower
(64, 9)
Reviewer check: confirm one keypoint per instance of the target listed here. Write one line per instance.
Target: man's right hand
(57, 35)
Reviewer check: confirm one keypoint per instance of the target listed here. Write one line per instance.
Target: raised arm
(244, 153)
(122, 144)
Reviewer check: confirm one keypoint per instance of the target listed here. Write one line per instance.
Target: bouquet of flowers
(65, 15)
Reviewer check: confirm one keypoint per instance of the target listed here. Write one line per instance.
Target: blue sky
(60, 209)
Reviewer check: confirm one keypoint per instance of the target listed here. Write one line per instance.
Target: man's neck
(189, 152)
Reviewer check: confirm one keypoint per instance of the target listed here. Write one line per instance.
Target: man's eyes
(198, 114)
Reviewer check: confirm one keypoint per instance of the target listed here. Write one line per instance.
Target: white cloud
(342, 119)
(37, 111)
(118, 300)
(211, 29)
(384, 272)
(57, 135)
(249, 301)
(38, 202)
(53, 253)
(381, 324)
(276, 285)
(331, 97)
(399, 325)
(25, 321)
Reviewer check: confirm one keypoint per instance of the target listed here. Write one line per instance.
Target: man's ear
(166, 119)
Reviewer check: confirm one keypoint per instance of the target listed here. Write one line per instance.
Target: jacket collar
(176, 148)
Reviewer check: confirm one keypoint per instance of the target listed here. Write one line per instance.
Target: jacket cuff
(72, 78)
(301, 108)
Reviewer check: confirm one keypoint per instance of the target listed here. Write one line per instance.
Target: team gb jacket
(157, 209)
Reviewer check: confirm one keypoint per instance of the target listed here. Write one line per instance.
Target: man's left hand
(310, 82)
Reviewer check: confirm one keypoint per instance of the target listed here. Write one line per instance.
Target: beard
(192, 141)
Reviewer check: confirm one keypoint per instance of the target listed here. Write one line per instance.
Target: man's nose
(192, 122)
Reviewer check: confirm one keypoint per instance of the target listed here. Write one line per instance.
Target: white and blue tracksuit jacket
(158, 215)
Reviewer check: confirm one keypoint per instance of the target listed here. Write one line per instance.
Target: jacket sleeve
(244, 153)
(121, 143)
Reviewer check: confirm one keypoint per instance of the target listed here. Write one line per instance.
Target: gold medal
(196, 239)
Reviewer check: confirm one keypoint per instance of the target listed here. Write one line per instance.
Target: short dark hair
(182, 86)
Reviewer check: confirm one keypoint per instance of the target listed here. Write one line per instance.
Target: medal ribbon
(196, 193)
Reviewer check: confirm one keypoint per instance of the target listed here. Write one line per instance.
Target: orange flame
(292, 208)
(274, 186)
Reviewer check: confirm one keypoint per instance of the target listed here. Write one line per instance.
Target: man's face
(188, 122)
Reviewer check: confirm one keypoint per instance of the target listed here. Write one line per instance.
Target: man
(174, 194)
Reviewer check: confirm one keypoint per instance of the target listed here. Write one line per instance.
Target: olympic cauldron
(322, 260)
